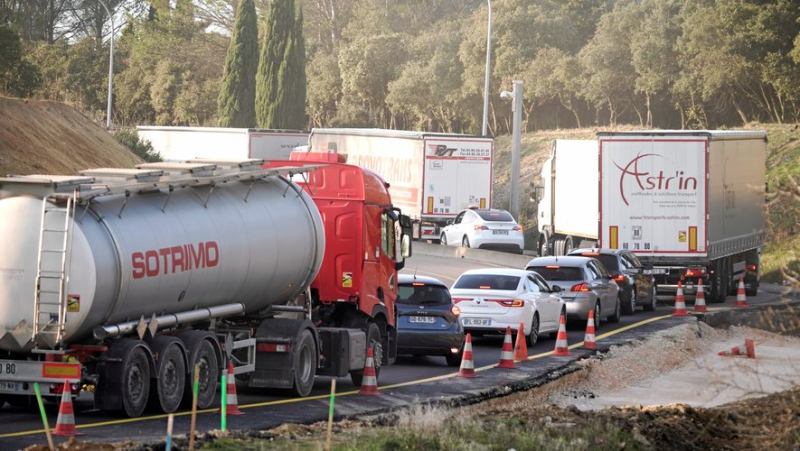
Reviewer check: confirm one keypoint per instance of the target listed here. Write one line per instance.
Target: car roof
(561, 261)
(411, 278)
(500, 271)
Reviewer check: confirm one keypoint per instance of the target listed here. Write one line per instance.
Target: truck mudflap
(280, 354)
(17, 376)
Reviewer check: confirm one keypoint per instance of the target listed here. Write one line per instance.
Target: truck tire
(202, 353)
(568, 246)
(135, 381)
(374, 340)
(558, 248)
(168, 383)
(305, 363)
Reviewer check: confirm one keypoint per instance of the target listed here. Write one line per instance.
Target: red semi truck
(129, 279)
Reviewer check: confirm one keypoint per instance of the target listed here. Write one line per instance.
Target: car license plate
(500, 232)
(658, 271)
(422, 319)
(9, 386)
(477, 322)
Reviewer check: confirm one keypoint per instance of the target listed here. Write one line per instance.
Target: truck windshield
(488, 282)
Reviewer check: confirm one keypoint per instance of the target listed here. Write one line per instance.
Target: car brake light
(695, 272)
(457, 300)
(456, 311)
(619, 278)
(752, 267)
(512, 303)
(485, 287)
(517, 228)
(418, 284)
(481, 227)
(583, 287)
(591, 254)
(552, 267)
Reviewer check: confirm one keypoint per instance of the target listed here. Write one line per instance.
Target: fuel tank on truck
(162, 239)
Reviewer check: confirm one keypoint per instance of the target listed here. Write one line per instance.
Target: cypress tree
(281, 79)
(236, 102)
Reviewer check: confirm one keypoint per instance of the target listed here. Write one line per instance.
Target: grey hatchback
(586, 285)
(427, 319)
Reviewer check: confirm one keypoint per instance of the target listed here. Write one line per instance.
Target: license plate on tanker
(477, 322)
(500, 232)
(421, 319)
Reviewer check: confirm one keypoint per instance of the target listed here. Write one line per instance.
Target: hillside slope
(42, 137)
(781, 256)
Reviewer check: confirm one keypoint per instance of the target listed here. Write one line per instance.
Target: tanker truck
(132, 282)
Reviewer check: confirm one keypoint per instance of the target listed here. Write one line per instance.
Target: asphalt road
(21, 427)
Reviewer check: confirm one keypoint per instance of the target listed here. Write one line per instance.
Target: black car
(427, 319)
(637, 285)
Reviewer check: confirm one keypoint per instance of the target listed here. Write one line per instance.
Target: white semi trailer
(567, 210)
(188, 143)
(433, 176)
(690, 203)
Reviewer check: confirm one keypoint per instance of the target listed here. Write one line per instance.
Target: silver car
(586, 285)
(484, 229)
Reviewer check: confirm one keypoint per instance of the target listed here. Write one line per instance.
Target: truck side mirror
(537, 193)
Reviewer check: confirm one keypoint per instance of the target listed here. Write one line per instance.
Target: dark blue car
(428, 320)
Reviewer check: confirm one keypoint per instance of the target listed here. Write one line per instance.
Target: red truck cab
(366, 243)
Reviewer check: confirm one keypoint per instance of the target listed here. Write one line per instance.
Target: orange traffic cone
(741, 298)
(588, 340)
(507, 356)
(369, 384)
(700, 299)
(232, 402)
(521, 347)
(467, 364)
(748, 349)
(562, 348)
(680, 302)
(65, 424)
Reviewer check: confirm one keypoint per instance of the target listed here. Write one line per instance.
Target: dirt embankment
(42, 137)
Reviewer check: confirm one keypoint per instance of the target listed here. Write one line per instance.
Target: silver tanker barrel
(159, 240)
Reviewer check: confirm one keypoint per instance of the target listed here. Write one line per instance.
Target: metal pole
(515, 148)
(485, 129)
(110, 66)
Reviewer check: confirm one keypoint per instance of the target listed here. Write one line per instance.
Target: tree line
(410, 64)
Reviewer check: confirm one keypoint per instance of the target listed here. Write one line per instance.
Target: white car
(484, 229)
(493, 299)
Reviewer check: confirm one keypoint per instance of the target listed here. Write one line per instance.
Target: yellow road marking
(326, 396)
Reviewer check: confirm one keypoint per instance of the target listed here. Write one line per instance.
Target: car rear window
(487, 282)
(609, 261)
(553, 273)
(495, 215)
(423, 294)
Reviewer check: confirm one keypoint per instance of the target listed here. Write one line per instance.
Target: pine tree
(236, 103)
(281, 79)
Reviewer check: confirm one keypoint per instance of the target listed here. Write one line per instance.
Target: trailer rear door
(458, 175)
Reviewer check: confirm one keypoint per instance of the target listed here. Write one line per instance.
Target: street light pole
(516, 144)
(110, 66)
(484, 130)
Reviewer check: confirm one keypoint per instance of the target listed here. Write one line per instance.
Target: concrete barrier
(475, 255)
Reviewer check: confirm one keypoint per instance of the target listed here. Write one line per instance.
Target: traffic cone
(467, 364)
(741, 297)
(65, 424)
(562, 348)
(700, 299)
(521, 347)
(680, 302)
(369, 384)
(588, 340)
(507, 356)
(748, 349)
(232, 403)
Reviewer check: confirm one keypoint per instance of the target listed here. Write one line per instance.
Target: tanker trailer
(132, 280)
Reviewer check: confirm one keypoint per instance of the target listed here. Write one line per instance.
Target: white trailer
(432, 176)
(176, 144)
(691, 203)
(567, 211)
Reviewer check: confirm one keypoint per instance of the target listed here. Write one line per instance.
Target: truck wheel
(305, 364)
(465, 242)
(653, 302)
(170, 378)
(443, 240)
(558, 248)
(205, 357)
(543, 249)
(374, 340)
(568, 246)
(135, 382)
